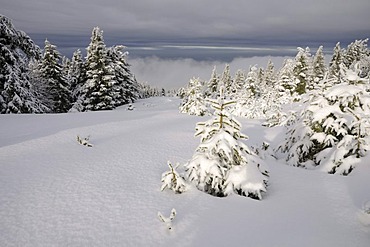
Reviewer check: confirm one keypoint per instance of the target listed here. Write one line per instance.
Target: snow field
(55, 192)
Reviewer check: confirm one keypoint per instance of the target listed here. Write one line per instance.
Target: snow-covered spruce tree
(355, 52)
(213, 84)
(333, 131)
(227, 80)
(301, 70)
(237, 85)
(98, 93)
(56, 87)
(146, 91)
(285, 81)
(194, 101)
(17, 94)
(319, 68)
(77, 76)
(272, 108)
(272, 99)
(270, 76)
(335, 70)
(222, 164)
(239, 82)
(252, 81)
(248, 97)
(363, 66)
(280, 105)
(256, 94)
(126, 87)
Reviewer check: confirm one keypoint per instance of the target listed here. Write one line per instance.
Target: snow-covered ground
(55, 192)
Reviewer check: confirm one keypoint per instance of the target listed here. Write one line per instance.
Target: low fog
(176, 73)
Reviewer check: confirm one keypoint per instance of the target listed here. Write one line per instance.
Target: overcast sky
(154, 23)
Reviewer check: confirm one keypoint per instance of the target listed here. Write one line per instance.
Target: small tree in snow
(173, 180)
(84, 141)
(222, 164)
(167, 220)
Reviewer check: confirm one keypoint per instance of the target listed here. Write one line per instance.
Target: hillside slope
(55, 192)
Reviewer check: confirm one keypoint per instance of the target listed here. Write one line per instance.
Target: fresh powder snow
(56, 192)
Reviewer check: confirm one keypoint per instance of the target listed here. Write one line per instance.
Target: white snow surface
(56, 192)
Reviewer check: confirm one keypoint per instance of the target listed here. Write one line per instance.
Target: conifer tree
(56, 87)
(213, 84)
(126, 88)
(146, 91)
(363, 66)
(17, 94)
(319, 68)
(335, 70)
(285, 78)
(222, 164)
(239, 81)
(333, 131)
(193, 102)
(226, 80)
(355, 52)
(246, 98)
(99, 93)
(77, 77)
(269, 76)
(252, 81)
(77, 74)
(301, 71)
(260, 76)
(66, 64)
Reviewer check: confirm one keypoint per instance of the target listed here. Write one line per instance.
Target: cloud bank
(176, 73)
(283, 22)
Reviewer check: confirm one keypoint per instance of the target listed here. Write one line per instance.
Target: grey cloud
(177, 17)
(265, 22)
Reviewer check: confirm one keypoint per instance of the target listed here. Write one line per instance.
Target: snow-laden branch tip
(84, 141)
(168, 220)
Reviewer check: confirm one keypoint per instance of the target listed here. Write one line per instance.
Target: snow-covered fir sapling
(222, 164)
(84, 141)
(167, 221)
(172, 180)
(130, 107)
